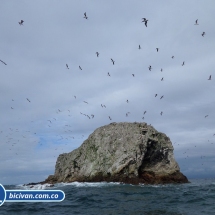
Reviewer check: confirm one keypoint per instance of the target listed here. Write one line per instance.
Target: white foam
(75, 184)
(87, 184)
(35, 187)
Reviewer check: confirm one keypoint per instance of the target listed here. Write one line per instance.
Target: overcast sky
(41, 100)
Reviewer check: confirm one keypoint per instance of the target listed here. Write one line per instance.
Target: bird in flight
(206, 116)
(112, 61)
(183, 63)
(150, 67)
(108, 74)
(92, 115)
(139, 47)
(133, 75)
(209, 77)
(97, 54)
(127, 100)
(67, 66)
(85, 102)
(156, 94)
(88, 116)
(28, 100)
(127, 113)
(110, 118)
(161, 70)
(145, 20)
(80, 68)
(203, 34)
(173, 57)
(3, 62)
(161, 113)
(21, 22)
(144, 112)
(161, 79)
(161, 97)
(157, 49)
(196, 22)
(75, 97)
(85, 16)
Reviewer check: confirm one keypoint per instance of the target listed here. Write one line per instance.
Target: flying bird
(75, 97)
(28, 99)
(112, 61)
(161, 70)
(209, 77)
(145, 21)
(3, 62)
(127, 114)
(144, 112)
(150, 67)
(21, 22)
(156, 94)
(67, 66)
(161, 97)
(173, 57)
(127, 100)
(139, 47)
(161, 113)
(196, 22)
(108, 74)
(85, 102)
(206, 116)
(110, 118)
(203, 34)
(161, 79)
(88, 116)
(80, 68)
(92, 115)
(157, 49)
(183, 63)
(133, 75)
(97, 54)
(85, 15)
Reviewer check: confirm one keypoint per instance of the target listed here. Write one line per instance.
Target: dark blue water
(195, 198)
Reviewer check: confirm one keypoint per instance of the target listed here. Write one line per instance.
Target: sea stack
(121, 152)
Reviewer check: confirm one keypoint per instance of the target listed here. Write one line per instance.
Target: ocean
(195, 198)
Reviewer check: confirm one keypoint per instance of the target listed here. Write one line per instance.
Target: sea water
(195, 198)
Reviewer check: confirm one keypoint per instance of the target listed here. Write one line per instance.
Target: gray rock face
(125, 152)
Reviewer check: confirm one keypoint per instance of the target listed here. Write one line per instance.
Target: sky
(47, 108)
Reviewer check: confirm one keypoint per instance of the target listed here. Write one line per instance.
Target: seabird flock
(91, 116)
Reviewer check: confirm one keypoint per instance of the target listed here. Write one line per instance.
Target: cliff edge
(121, 152)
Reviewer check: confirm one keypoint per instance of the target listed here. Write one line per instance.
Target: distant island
(120, 152)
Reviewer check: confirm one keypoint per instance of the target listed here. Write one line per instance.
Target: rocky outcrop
(120, 152)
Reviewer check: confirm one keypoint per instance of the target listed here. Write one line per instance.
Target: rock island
(120, 152)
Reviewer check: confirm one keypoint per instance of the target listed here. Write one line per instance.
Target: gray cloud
(55, 33)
